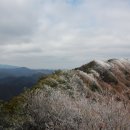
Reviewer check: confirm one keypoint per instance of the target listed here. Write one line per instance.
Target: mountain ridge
(5, 66)
(93, 96)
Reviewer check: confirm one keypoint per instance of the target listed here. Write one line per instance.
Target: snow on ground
(90, 77)
(123, 63)
(103, 64)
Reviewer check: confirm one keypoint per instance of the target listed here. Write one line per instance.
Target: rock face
(94, 96)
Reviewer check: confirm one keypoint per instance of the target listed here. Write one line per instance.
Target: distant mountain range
(14, 79)
(3, 66)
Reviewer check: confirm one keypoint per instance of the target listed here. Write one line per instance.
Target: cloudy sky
(63, 33)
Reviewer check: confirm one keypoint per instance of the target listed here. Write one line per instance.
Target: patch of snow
(103, 64)
(121, 62)
(95, 73)
(90, 77)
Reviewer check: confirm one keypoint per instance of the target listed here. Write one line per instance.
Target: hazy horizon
(63, 34)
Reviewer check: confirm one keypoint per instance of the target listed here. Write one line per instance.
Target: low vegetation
(70, 100)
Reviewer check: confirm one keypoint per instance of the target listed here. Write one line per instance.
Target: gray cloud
(18, 20)
(63, 33)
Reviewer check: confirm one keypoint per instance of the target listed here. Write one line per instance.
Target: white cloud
(63, 33)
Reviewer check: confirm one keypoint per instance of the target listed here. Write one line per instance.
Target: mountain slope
(13, 80)
(13, 86)
(93, 96)
(113, 75)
